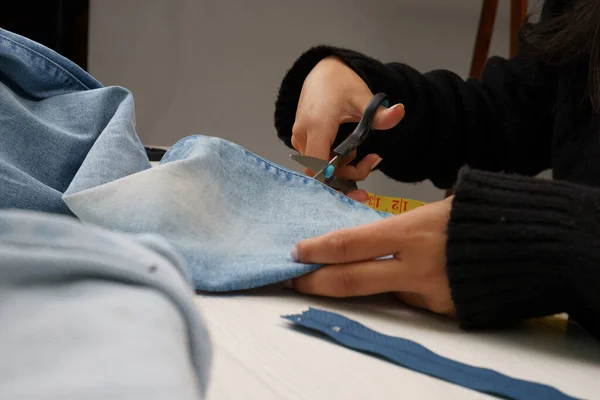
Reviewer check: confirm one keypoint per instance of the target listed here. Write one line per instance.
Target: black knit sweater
(518, 246)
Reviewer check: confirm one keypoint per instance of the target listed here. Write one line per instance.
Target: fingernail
(294, 253)
(376, 163)
(366, 202)
(289, 284)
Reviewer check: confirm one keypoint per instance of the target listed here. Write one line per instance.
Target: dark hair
(569, 36)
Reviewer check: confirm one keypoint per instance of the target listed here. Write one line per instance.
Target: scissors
(326, 169)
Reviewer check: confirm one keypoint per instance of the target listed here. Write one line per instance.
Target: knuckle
(439, 306)
(361, 174)
(313, 119)
(298, 130)
(340, 244)
(345, 284)
(437, 297)
(295, 143)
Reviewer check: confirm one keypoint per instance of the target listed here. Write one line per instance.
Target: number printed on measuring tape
(393, 205)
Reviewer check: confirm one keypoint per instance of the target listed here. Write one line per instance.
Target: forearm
(522, 247)
(498, 124)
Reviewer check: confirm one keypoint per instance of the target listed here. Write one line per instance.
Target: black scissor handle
(363, 129)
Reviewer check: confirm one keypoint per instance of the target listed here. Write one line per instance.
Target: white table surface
(258, 355)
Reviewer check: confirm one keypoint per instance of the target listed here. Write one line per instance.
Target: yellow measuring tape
(393, 205)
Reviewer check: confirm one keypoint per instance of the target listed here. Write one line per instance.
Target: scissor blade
(312, 163)
(320, 175)
(315, 164)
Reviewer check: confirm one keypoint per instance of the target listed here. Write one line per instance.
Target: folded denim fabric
(92, 314)
(59, 128)
(233, 215)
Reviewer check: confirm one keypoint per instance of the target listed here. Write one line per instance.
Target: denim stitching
(306, 180)
(47, 61)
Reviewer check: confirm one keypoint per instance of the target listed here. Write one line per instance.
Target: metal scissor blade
(315, 164)
(312, 163)
(320, 175)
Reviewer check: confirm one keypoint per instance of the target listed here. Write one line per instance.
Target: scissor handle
(363, 129)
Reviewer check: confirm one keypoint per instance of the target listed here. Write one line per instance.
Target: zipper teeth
(492, 378)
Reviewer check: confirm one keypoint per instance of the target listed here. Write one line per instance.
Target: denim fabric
(412, 355)
(58, 126)
(99, 314)
(233, 215)
(92, 314)
(85, 313)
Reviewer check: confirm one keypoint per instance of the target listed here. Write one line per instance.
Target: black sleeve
(520, 247)
(501, 123)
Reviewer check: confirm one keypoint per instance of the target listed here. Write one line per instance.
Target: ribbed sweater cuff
(510, 241)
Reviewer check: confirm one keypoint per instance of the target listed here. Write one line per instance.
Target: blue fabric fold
(234, 216)
(90, 313)
(60, 129)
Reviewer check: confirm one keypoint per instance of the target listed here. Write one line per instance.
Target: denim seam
(47, 60)
(180, 143)
(309, 180)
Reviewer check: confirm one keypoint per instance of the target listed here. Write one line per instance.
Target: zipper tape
(418, 358)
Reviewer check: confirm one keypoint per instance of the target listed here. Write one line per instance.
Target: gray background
(214, 67)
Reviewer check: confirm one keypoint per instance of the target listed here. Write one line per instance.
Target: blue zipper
(418, 358)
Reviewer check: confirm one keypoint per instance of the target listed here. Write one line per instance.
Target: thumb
(385, 118)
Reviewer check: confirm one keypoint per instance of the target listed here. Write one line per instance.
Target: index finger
(364, 242)
(319, 140)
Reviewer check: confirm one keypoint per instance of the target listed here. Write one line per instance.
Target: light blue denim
(92, 314)
(59, 128)
(233, 215)
(85, 313)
